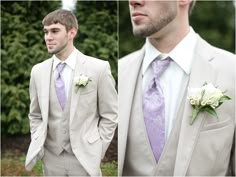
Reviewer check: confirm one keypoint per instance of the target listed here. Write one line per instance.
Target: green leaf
(211, 111)
(195, 113)
(224, 98)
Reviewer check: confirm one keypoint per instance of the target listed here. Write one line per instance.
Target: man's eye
(54, 31)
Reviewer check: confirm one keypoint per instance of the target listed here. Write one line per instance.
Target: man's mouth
(136, 16)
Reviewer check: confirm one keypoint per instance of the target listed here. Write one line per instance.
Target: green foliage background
(22, 43)
(213, 20)
(22, 46)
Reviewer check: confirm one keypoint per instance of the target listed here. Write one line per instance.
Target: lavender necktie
(60, 86)
(154, 108)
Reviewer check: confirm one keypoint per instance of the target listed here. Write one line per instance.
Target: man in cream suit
(204, 148)
(73, 110)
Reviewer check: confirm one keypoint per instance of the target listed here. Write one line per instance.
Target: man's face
(151, 16)
(56, 38)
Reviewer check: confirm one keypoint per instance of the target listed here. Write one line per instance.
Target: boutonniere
(207, 98)
(81, 81)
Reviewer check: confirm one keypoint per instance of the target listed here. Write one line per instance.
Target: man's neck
(63, 55)
(166, 41)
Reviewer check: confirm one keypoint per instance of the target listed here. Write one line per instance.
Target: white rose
(212, 95)
(76, 81)
(83, 80)
(203, 103)
(194, 95)
(206, 98)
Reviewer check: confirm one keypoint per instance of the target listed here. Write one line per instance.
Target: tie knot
(60, 67)
(159, 66)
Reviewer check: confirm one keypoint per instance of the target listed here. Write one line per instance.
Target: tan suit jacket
(93, 112)
(204, 148)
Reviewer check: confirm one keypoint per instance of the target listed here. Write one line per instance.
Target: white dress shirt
(175, 79)
(67, 71)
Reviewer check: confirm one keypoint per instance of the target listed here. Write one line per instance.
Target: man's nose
(48, 37)
(135, 3)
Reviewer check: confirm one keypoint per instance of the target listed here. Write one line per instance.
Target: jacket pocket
(94, 137)
(217, 125)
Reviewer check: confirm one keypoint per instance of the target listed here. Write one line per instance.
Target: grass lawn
(13, 165)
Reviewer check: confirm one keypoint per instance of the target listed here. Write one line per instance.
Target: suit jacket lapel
(79, 69)
(202, 71)
(45, 83)
(128, 76)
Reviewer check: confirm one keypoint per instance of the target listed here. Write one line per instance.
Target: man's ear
(72, 33)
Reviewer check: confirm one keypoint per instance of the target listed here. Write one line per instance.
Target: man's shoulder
(41, 65)
(128, 59)
(94, 60)
(90, 59)
(217, 53)
(224, 59)
(226, 54)
(97, 65)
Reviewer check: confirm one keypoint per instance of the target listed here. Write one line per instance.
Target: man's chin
(140, 33)
(143, 32)
(51, 52)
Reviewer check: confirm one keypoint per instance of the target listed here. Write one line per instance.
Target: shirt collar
(150, 54)
(70, 61)
(182, 54)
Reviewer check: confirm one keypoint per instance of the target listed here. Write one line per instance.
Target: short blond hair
(62, 16)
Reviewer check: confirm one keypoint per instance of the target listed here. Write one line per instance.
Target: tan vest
(58, 138)
(139, 158)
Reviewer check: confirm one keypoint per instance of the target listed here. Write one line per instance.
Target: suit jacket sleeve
(35, 116)
(233, 161)
(107, 107)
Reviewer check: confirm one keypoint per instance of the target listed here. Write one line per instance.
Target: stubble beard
(56, 51)
(155, 26)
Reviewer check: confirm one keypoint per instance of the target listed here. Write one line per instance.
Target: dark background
(213, 20)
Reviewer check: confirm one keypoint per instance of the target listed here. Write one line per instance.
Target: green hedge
(22, 46)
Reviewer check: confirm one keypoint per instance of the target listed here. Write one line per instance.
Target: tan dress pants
(66, 164)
